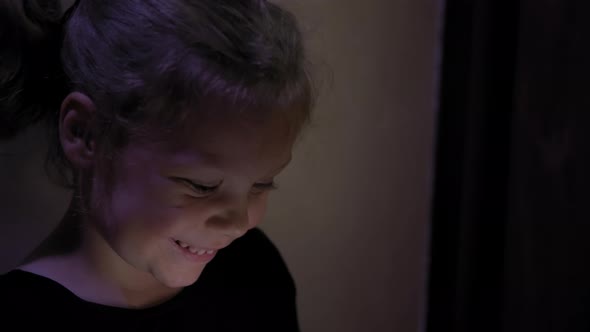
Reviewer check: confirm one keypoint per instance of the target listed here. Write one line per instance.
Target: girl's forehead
(223, 141)
(219, 132)
(222, 134)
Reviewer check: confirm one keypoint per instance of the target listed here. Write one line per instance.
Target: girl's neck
(78, 257)
(71, 273)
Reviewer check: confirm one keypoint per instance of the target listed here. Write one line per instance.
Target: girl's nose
(232, 218)
(237, 223)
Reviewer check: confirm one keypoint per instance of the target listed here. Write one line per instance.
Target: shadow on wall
(30, 205)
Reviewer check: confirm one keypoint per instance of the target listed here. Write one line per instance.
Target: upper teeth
(194, 250)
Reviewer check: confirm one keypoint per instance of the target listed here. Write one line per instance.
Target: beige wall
(30, 206)
(352, 215)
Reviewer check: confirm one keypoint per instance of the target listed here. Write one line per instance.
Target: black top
(246, 287)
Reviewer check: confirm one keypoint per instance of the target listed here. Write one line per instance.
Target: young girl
(169, 121)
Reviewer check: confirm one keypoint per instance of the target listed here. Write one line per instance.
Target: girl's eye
(199, 189)
(259, 188)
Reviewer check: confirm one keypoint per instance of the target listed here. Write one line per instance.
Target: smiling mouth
(193, 250)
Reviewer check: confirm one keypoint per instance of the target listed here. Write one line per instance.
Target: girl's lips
(200, 255)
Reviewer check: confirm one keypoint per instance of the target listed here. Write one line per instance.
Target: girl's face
(174, 204)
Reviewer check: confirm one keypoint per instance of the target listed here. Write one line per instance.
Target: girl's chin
(180, 279)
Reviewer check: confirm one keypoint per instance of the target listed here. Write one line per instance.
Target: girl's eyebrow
(183, 160)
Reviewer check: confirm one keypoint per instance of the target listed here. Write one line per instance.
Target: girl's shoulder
(255, 240)
(16, 283)
(19, 284)
(253, 259)
(245, 279)
(25, 293)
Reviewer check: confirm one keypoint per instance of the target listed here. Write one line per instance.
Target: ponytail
(32, 83)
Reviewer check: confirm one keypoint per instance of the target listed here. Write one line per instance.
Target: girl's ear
(75, 130)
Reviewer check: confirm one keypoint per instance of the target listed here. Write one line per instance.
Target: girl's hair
(147, 64)
(30, 38)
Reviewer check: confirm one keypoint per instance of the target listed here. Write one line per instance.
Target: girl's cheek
(166, 195)
(257, 209)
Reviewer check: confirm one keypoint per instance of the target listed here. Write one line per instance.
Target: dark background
(511, 226)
